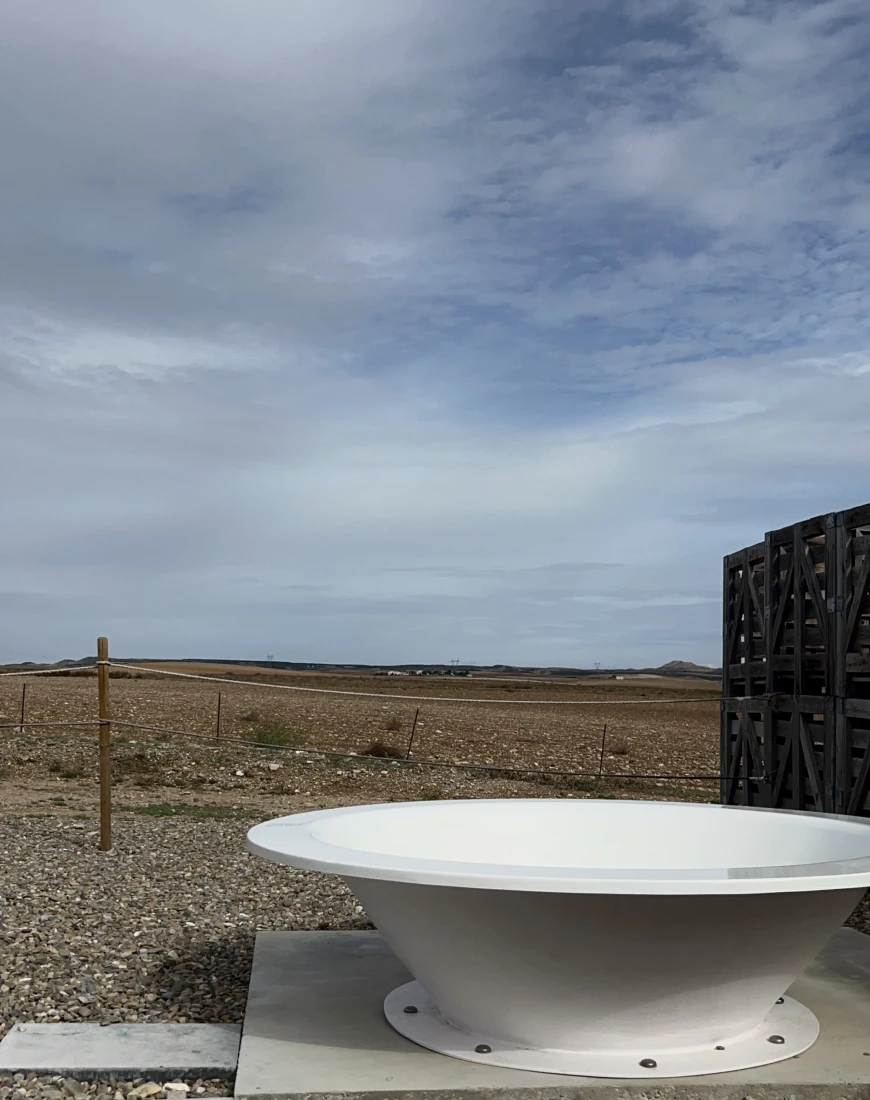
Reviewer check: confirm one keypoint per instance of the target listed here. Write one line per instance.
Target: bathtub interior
(573, 833)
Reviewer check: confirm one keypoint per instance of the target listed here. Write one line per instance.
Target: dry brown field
(523, 724)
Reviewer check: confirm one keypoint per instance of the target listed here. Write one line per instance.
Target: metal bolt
(482, 1048)
(720, 1048)
(780, 1000)
(775, 1039)
(410, 1009)
(648, 1063)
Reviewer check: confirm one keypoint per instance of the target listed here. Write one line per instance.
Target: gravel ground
(20, 1087)
(162, 928)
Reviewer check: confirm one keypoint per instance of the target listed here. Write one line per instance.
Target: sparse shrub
(431, 793)
(187, 781)
(393, 723)
(73, 771)
(618, 747)
(379, 748)
(137, 765)
(250, 716)
(274, 731)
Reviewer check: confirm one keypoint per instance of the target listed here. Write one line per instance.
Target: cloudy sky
(387, 330)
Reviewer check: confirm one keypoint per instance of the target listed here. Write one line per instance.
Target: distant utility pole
(270, 657)
(597, 666)
(454, 661)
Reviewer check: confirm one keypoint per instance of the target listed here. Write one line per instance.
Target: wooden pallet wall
(795, 727)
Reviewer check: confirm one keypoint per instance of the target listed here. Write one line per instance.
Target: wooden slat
(724, 751)
(811, 528)
(861, 788)
(856, 599)
(808, 759)
(746, 612)
(754, 553)
(857, 517)
(856, 708)
(755, 599)
(785, 759)
(813, 590)
(784, 602)
(734, 763)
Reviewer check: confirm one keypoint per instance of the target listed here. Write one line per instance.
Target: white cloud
(386, 331)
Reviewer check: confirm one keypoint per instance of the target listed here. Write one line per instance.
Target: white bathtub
(602, 938)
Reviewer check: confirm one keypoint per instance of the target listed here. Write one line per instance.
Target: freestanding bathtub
(602, 938)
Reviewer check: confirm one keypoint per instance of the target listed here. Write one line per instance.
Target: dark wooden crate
(777, 753)
(796, 667)
(853, 771)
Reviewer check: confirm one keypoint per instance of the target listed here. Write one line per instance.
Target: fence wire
(362, 758)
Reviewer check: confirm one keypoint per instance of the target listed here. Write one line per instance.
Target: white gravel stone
(162, 929)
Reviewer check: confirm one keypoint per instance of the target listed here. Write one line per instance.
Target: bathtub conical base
(790, 1022)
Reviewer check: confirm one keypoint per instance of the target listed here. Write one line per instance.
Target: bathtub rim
(287, 840)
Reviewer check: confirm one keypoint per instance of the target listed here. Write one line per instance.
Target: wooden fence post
(105, 745)
(603, 747)
(217, 728)
(413, 730)
(23, 701)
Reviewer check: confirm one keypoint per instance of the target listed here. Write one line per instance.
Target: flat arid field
(162, 927)
(654, 726)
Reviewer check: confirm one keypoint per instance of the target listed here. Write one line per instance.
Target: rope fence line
(413, 698)
(104, 725)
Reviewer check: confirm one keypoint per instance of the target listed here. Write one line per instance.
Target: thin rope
(415, 698)
(48, 671)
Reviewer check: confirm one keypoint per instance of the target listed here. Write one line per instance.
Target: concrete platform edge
(314, 1018)
(91, 1052)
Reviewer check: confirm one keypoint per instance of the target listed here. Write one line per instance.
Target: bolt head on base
(788, 1029)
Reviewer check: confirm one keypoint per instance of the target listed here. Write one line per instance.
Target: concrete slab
(314, 1028)
(90, 1051)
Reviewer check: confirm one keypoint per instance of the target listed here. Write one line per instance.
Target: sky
(404, 331)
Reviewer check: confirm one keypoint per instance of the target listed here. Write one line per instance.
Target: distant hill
(682, 669)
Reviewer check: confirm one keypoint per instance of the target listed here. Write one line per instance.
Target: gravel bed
(32, 1087)
(860, 919)
(160, 929)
